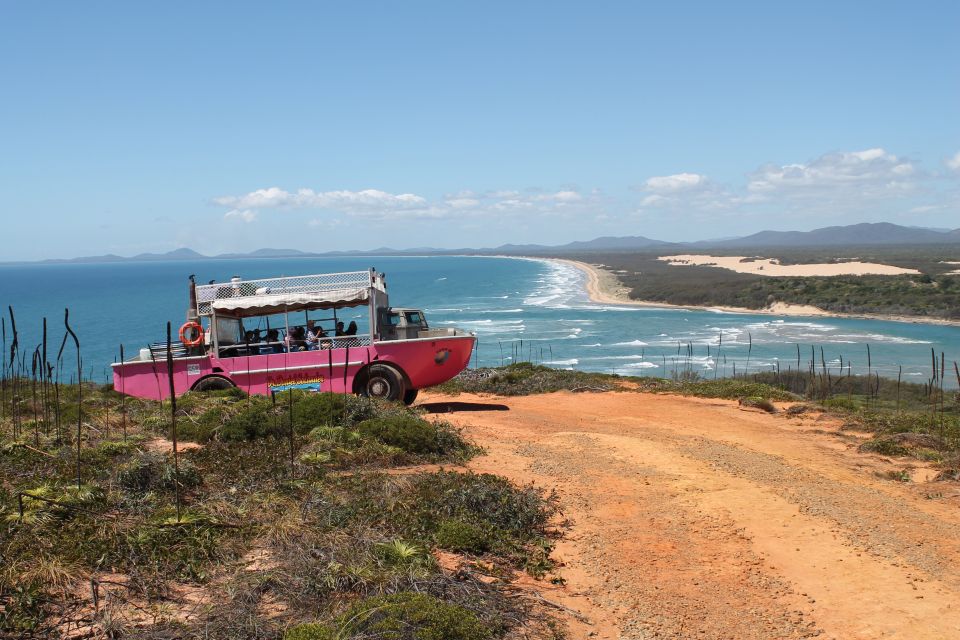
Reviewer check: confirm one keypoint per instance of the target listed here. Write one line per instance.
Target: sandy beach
(604, 287)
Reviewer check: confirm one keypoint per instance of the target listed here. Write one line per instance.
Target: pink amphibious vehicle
(275, 334)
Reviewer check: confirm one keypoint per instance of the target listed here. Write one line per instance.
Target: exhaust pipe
(192, 315)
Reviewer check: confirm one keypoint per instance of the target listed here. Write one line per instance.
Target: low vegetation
(276, 519)
(399, 616)
(918, 420)
(524, 378)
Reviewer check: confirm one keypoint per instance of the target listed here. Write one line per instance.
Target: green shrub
(257, 420)
(415, 435)
(186, 551)
(310, 631)
(137, 475)
(842, 403)
(312, 410)
(204, 427)
(398, 553)
(316, 458)
(112, 448)
(154, 471)
(316, 410)
(410, 616)
(884, 447)
(456, 535)
(157, 423)
(23, 611)
(189, 475)
(54, 503)
(408, 432)
(233, 393)
(194, 400)
(486, 498)
(927, 455)
(336, 435)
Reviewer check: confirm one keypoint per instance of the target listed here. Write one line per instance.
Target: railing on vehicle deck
(346, 341)
(317, 283)
(266, 348)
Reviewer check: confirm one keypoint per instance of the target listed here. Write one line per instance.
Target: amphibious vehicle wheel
(410, 396)
(383, 382)
(213, 383)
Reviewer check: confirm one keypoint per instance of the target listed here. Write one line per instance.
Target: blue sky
(319, 126)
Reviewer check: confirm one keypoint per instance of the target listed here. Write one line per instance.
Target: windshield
(229, 330)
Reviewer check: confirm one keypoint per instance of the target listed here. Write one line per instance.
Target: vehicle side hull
(424, 362)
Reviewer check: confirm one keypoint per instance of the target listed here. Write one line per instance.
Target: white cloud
(954, 162)
(246, 215)
(366, 200)
(684, 192)
(833, 184)
(376, 204)
(654, 200)
(852, 186)
(560, 196)
(462, 203)
(676, 183)
(855, 172)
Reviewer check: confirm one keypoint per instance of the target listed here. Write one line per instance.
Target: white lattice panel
(318, 283)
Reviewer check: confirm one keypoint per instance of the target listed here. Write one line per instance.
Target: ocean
(520, 309)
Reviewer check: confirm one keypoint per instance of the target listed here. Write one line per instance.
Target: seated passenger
(273, 342)
(351, 329)
(339, 331)
(296, 339)
(313, 336)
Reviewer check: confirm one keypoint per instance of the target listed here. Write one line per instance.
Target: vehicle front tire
(383, 382)
(213, 383)
(410, 396)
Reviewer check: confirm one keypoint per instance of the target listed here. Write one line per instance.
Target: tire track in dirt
(864, 513)
(665, 571)
(690, 519)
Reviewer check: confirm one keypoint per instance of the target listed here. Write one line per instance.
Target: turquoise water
(528, 309)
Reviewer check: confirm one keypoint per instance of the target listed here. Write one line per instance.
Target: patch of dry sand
(772, 267)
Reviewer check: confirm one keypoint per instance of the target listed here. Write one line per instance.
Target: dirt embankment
(697, 519)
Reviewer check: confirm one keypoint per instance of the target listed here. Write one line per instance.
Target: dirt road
(695, 518)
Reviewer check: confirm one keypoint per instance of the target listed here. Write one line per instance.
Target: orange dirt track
(693, 518)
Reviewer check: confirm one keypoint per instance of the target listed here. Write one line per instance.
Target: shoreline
(604, 287)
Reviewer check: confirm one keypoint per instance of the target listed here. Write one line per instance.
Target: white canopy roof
(271, 303)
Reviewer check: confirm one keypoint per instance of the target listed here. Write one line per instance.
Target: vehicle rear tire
(383, 382)
(410, 396)
(213, 383)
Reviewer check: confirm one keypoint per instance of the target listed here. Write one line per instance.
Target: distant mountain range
(857, 235)
(872, 234)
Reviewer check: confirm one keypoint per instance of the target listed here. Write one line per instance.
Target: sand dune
(772, 267)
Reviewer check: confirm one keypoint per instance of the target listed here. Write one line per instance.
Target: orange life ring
(195, 342)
